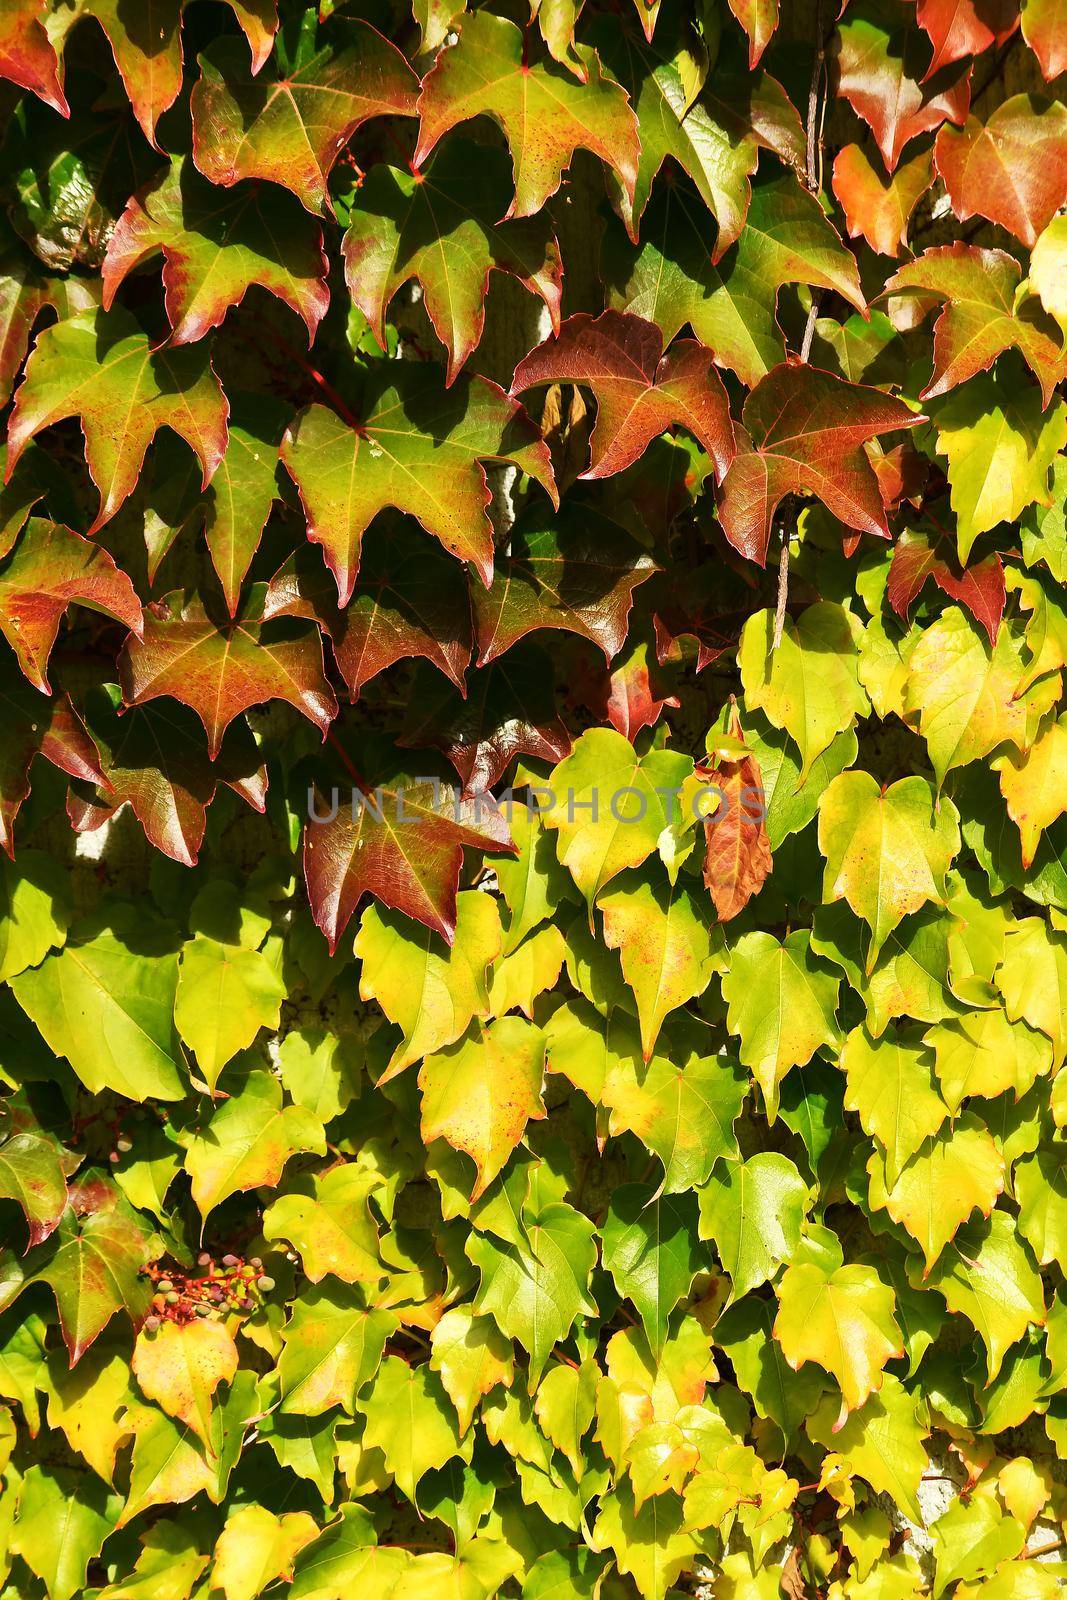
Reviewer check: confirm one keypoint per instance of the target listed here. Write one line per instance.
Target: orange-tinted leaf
(807, 433)
(640, 392)
(876, 206)
(49, 569)
(961, 28)
(979, 288)
(1011, 169)
(1045, 31)
(26, 53)
(221, 668)
(34, 725)
(737, 854)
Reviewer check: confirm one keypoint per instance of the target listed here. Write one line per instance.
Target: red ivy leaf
(639, 391)
(50, 569)
(220, 670)
(405, 604)
(36, 725)
(404, 844)
(1012, 170)
(737, 853)
(807, 431)
(1045, 31)
(154, 761)
(980, 588)
(26, 54)
(960, 28)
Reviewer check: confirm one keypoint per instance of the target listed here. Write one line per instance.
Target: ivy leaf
(962, 692)
(958, 1171)
(49, 569)
(420, 448)
(220, 670)
(1032, 977)
(225, 996)
(979, 289)
(508, 710)
(480, 1093)
(810, 685)
(878, 207)
(639, 391)
(326, 1218)
(754, 1211)
(982, 1053)
(731, 304)
(402, 841)
(981, 587)
(411, 1420)
(246, 1141)
(881, 63)
(705, 137)
(256, 1547)
(744, 1331)
(1042, 25)
(106, 1001)
(1000, 445)
(986, 1275)
(101, 368)
(31, 1173)
(64, 1518)
(27, 56)
(472, 1357)
(407, 603)
(332, 1348)
(890, 1085)
(181, 1365)
(1009, 169)
(887, 850)
(215, 245)
(842, 1318)
(292, 130)
(807, 431)
(545, 114)
(36, 725)
(665, 942)
(154, 761)
(960, 30)
(782, 1006)
(684, 1114)
(92, 1263)
(1033, 786)
(599, 832)
(534, 1294)
(882, 1442)
(651, 1249)
(430, 989)
(737, 852)
(440, 227)
(576, 571)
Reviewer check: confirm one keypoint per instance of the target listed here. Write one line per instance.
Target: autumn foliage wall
(650, 410)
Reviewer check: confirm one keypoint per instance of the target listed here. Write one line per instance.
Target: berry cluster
(221, 1288)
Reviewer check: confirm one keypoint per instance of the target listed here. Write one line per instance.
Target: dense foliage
(533, 931)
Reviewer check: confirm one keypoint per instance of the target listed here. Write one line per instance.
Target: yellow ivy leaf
(256, 1548)
(181, 1365)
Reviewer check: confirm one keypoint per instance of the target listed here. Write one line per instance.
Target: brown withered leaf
(737, 856)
